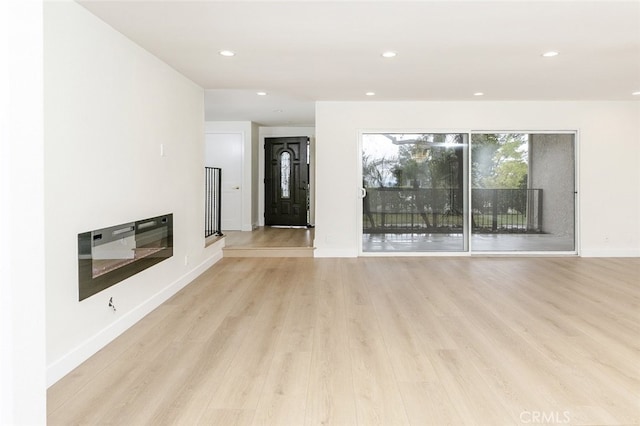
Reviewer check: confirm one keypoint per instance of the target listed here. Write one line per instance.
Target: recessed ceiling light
(478, 94)
(261, 93)
(389, 54)
(227, 53)
(370, 94)
(636, 93)
(550, 54)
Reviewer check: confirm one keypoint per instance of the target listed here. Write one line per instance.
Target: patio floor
(479, 242)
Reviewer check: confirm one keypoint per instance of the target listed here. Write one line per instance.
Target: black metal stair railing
(213, 202)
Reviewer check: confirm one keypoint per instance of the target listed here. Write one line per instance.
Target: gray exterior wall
(551, 168)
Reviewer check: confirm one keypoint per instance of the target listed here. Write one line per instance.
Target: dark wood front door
(286, 181)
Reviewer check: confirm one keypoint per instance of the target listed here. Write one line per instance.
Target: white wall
(275, 132)
(249, 154)
(22, 262)
(608, 161)
(108, 106)
(255, 182)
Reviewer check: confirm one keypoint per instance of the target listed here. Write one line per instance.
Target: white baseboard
(610, 253)
(63, 366)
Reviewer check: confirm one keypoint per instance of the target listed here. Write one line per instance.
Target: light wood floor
(269, 242)
(375, 341)
(271, 237)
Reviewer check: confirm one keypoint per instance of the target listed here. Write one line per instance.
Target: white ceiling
(303, 51)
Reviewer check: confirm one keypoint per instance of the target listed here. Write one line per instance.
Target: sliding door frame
(466, 200)
(576, 200)
(468, 240)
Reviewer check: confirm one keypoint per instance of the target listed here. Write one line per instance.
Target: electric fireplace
(109, 255)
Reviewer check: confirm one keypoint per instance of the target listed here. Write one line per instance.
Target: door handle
(363, 192)
(235, 187)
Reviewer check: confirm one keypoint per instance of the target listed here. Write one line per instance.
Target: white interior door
(225, 150)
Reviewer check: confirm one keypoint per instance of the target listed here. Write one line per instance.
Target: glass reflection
(415, 192)
(109, 255)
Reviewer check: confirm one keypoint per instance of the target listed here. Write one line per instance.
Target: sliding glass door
(416, 198)
(523, 192)
(414, 192)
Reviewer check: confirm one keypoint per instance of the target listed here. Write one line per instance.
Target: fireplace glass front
(109, 255)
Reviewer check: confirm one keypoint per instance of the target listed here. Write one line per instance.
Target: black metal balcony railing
(213, 202)
(402, 210)
(507, 210)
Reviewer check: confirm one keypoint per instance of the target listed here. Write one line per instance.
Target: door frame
(309, 190)
(276, 132)
(468, 243)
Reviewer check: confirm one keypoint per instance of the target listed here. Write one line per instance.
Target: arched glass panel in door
(285, 174)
